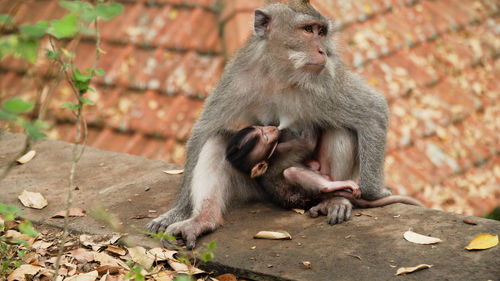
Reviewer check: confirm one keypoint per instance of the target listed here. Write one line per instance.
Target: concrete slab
(368, 247)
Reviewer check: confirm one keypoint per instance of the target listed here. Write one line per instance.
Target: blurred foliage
(495, 214)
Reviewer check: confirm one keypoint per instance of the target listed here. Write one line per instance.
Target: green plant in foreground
(12, 251)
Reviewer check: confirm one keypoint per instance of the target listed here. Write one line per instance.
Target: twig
(76, 154)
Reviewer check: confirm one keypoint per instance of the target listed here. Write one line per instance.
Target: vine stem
(76, 153)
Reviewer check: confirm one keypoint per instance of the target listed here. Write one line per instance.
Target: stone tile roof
(435, 60)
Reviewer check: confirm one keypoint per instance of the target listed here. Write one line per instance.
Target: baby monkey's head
(250, 148)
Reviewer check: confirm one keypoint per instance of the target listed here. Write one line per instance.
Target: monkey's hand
(339, 185)
(337, 210)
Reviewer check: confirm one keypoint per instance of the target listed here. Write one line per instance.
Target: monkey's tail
(379, 202)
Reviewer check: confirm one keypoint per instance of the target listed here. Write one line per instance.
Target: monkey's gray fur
(264, 84)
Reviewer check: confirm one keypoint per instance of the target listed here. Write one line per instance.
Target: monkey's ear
(261, 23)
(259, 169)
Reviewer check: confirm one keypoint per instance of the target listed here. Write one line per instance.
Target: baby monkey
(277, 160)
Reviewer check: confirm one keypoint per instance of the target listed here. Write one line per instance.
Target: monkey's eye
(322, 31)
(308, 28)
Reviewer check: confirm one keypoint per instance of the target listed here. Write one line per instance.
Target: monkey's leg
(214, 185)
(337, 154)
(315, 183)
(338, 158)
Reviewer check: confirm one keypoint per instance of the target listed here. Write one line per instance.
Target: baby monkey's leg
(315, 183)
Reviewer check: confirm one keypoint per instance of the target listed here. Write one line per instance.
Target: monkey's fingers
(356, 191)
(190, 241)
(339, 210)
(320, 209)
(313, 212)
(172, 244)
(333, 214)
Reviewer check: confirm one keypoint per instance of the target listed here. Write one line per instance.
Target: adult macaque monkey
(287, 73)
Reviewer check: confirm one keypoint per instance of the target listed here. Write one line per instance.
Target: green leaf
(5, 115)
(88, 12)
(9, 209)
(27, 228)
(79, 77)
(27, 49)
(100, 72)
(211, 246)
(207, 256)
(41, 125)
(17, 105)
(4, 18)
(109, 11)
(86, 101)
(71, 106)
(35, 31)
(52, 55)
(73, 6)
(65, 27)
(81, 80)
(33, 131)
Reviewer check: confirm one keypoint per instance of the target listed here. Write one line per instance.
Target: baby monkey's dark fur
(288, 157)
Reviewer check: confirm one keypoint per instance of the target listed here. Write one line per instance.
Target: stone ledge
(368, 247)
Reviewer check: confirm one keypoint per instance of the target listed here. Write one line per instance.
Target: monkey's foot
(162, 222)
(189, 230)
(337, 210)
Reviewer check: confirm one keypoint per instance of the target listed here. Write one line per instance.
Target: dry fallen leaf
(32, 199)
(82, 255)
(108, 269)
(274, 235)
(41, 245)
(116, 250)
(405, 270)
(98, 241)
(22, 271)
(164, 276)
(26, 157)
(470, 221)
(173, 172)
(482, 242)
(90, 276)
(16, 235)
(183, 268)
(162, 254)
(226, 277)
(420, 239)
(73, 212)
(139, 255)
(299, 211)
(105, 259)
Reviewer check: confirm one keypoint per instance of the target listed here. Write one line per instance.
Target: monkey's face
(297, 42)
(267, 139)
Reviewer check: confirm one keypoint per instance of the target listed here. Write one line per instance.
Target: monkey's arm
(365, 111)
(202, 180)
(315, 183)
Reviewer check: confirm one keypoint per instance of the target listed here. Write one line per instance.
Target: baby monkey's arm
(315, 183)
